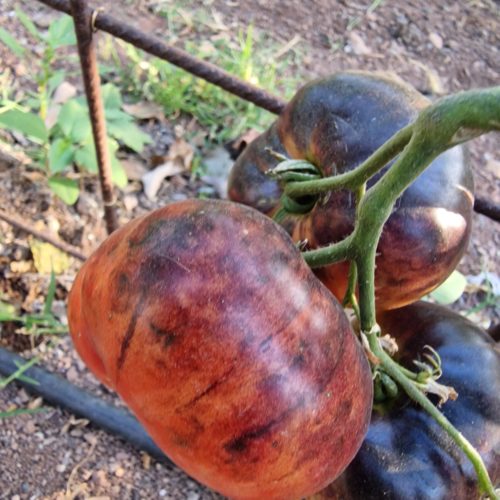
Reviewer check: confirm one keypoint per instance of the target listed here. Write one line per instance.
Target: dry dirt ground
(439, 46)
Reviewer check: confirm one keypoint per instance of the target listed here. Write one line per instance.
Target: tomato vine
(449, 121)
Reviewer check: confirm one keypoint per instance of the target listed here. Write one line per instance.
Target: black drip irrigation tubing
(57, 391)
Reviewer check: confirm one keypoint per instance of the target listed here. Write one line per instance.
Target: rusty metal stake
(83, 26)
(207, 71)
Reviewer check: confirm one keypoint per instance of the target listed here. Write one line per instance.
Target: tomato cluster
(242, 365)
(336, 123)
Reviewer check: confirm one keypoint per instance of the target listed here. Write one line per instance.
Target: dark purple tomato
(406, 454)
(336, 123)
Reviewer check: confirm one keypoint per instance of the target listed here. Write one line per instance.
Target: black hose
(59, 392)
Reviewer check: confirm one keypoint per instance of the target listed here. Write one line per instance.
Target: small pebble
(30, 427)
(72, 375)
(119, 472)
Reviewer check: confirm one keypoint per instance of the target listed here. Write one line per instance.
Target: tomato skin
(240, 364)
(405, 453)
(336, 123)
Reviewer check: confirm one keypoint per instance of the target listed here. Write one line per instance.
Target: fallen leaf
(144, 110)
(154, 178)
(358, 45)
(64, 92)
(134, 168)
(181, 151)
(48, 258)
(35, 403)
(20, 267)
(479, 282)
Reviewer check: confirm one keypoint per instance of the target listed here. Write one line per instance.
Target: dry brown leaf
(64, 92)
(134, 168)
(146, 460)
(218, 24)
(181, 151)
(358, 45)
(35, 403)
(153, 179)
(48, 258)
(21, 267)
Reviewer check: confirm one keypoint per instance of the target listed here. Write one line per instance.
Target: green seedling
(65, 149)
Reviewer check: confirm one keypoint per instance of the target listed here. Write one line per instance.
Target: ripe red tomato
(405, 453)
(240, 364)
(336, 123)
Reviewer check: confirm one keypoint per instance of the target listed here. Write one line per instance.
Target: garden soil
(440, 47)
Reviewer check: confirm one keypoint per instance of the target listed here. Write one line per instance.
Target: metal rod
(82, 17)
(209, 72)
(59, 392)
(178, 57)
(69, 249)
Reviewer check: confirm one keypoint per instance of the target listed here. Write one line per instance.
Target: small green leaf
(51, 293)
(27, 23)
(21, 368)
(451, 289)
(118, 174)
(111, 96)
(55, 80)
(128, 133)
(20, 411)
(7, 312)
(7, 39)
(66, 189)
(73, 119)
(25, 122)
(85, 158)
(61, 32)
(117, 115)
(61, 154)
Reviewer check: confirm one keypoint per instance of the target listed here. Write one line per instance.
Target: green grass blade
(7, 39)
(21, 369)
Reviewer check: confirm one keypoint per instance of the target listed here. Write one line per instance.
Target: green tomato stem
(394, 370)
(354, 178)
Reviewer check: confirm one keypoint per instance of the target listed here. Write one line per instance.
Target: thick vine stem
(448, 122)
(358, 176)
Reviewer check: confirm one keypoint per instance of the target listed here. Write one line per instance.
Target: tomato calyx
(429, 367)
(293, 171)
